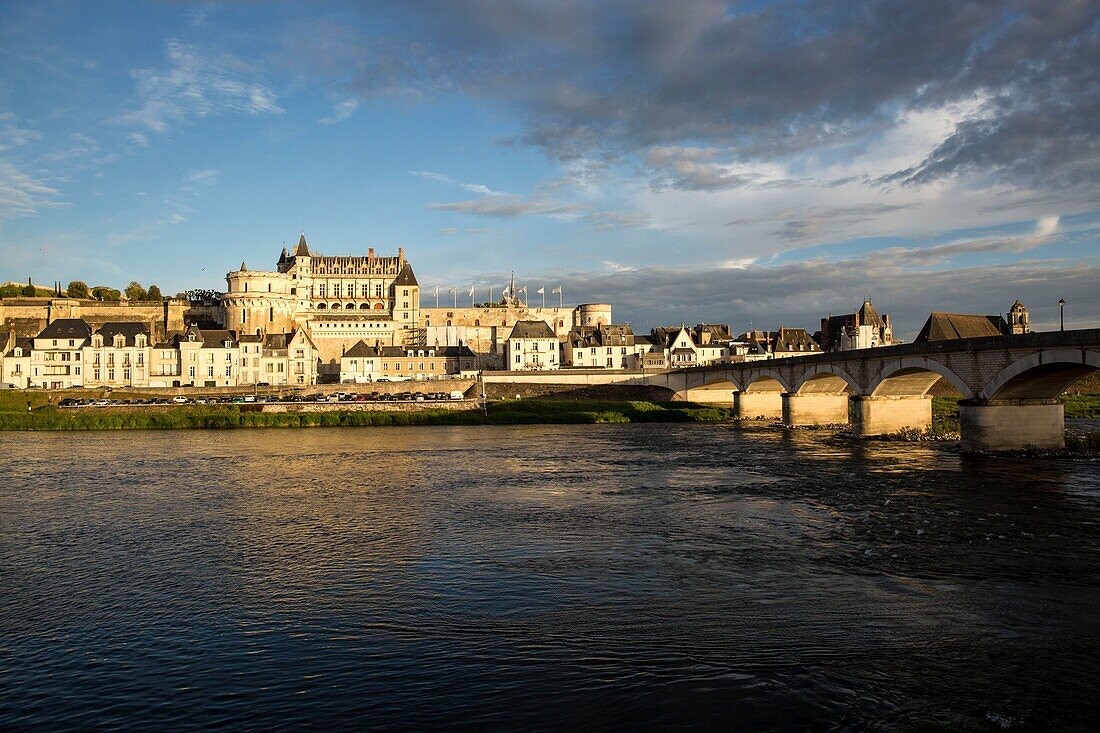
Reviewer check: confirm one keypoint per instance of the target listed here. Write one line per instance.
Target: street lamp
(1062, 314)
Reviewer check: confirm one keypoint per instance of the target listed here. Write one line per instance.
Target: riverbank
(42, 415)
(15, 416)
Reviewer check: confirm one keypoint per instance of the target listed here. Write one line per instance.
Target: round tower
(592, 314)
(259, 301)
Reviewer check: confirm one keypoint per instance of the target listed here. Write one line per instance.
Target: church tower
(1018, 319)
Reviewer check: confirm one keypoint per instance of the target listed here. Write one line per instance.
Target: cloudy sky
(747, 162)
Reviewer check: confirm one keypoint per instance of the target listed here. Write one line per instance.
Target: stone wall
(28, 316)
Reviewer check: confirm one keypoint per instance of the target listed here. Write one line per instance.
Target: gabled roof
(27, 344)
(362, 350)
(127, 329)
(66, 328)
(793, 339)
(532, 330)
(406, 277)
(302, 250)
(948, 326)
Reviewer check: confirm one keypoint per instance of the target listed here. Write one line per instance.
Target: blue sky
(764, 162)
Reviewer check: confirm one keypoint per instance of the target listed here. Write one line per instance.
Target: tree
(102, 292)
(30, 291)
(77, 289)
(134, 291)
(154, 293)
(10, 290)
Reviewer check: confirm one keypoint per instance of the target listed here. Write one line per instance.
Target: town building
(788, 342)
(864, 329)
(56, 354)
(407, 362)
(361, 363)
(532, 345)
(604, 346)
(15, 361)
(117, 355)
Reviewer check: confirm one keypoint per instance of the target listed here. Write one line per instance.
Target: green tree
(154, 293)
(11, 290)
(30, 291)
(77, 289)
(102, 292)
(134, 291)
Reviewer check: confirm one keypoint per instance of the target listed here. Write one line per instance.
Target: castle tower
(1019, 321)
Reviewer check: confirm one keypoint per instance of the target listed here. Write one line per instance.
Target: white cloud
(195, 85)
(22, 194)
(340, 112)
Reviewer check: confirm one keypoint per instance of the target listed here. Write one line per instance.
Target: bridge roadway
(1010, 386)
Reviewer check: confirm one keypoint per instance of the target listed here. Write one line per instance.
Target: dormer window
(119, 342)
(228, 344)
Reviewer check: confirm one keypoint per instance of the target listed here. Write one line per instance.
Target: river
(576, 577)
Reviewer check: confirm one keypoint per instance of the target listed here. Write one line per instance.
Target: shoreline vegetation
(44, 416)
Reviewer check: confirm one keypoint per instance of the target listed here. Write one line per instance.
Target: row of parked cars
(262, 399)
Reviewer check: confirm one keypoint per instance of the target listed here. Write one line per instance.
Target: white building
(532, 345)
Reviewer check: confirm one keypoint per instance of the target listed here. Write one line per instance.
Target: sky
(753, 163)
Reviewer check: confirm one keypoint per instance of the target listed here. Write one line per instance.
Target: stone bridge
(1010, 386)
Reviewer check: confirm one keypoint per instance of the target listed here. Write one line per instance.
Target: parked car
(457, 395)
(180, 400)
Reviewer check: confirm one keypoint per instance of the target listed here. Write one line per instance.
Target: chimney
(370, 253)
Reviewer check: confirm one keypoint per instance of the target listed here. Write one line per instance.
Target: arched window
(448, 321)
(477, 322)
(378, 306)
(321, 306)
(364, 306)
(335, 306)
(350, 306)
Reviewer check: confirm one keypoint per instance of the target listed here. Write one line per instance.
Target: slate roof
(449, 352)
(127, 329)
(362, 350)
(948, 326)
(27, 344)
(302, 250)
(531, 330)
(787, 340)
(67, 328)
(406, 277)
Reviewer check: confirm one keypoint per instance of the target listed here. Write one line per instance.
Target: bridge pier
(753, 405)
(814, 409)
(998, 425)
(882, 415)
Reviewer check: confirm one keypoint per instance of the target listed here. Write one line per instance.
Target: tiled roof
(361, 349)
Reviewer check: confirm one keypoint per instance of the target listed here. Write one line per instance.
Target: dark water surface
(587, 577)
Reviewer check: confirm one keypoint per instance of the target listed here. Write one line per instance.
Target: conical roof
(302, 250)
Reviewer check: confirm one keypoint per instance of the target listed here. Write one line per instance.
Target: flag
(523, 290)
(541, 291)
(557, 290)
(504, 294)
(452, 290)
(471, 291)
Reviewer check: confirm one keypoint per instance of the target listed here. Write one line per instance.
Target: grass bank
(15, 416)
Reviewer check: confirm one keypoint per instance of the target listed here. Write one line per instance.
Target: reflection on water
(614, 576)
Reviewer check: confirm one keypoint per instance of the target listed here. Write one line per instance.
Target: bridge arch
(912, 377)
(765, 380)
(1042, 375)
(826, 379)
(719, 390)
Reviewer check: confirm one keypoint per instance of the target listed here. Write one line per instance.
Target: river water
(577, 577)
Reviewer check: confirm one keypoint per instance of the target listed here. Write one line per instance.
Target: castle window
(477, 322)
(321, 306)
(246, 287)
(335, 306)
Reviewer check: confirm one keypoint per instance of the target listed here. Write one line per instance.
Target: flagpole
(543, 301)
(559, 297)
(437, 297)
